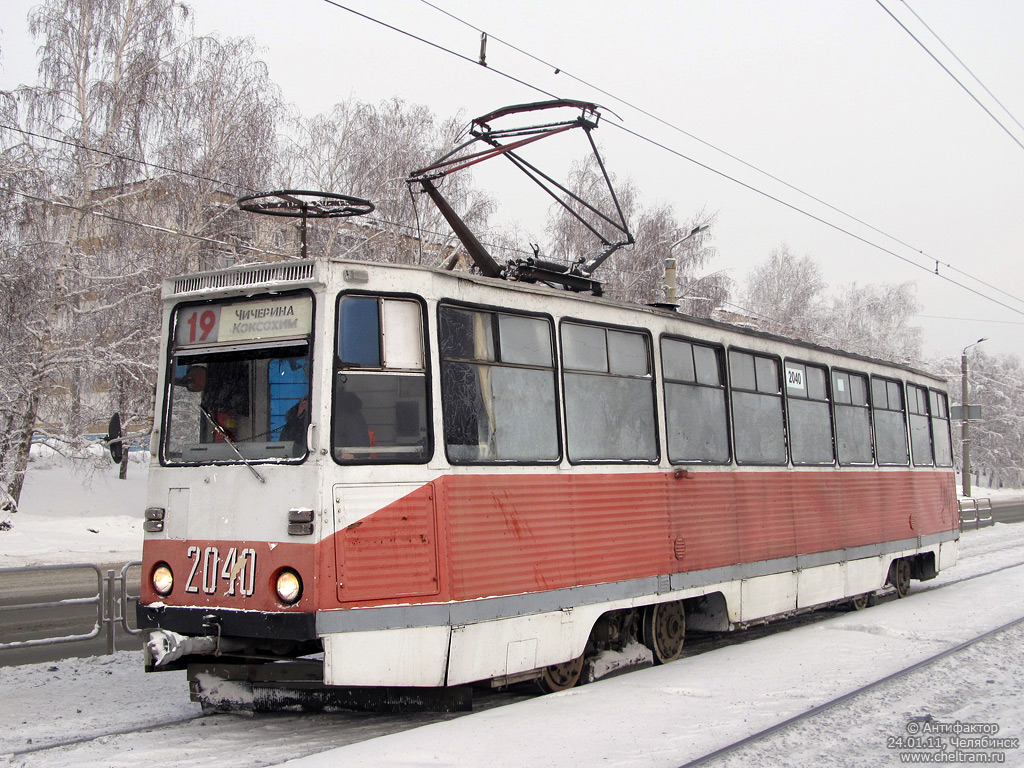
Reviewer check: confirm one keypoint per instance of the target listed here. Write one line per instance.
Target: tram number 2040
(236, 570)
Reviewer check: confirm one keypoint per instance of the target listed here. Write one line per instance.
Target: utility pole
(670, 264)
(965, 423)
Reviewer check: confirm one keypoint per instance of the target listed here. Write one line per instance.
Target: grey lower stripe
(486, 609)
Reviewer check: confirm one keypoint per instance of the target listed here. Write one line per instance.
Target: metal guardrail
(112, 600)
(975, 513)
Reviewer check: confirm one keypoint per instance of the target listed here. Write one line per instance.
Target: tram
(437, 478)
(402, 479)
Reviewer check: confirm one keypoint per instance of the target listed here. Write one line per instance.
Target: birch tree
(135, 128)
(996, 383)
(367, 150)
(636, 273)
(785, 294)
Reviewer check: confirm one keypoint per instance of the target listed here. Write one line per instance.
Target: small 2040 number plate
(235, 570)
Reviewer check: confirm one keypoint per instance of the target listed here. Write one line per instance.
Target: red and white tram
(437, 478)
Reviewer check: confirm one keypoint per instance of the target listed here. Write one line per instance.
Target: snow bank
(77, 513)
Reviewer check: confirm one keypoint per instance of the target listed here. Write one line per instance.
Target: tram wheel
(561, 677)
(899, 576)
(860, 602)
(663, 629)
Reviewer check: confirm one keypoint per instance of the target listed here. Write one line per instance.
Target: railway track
(330, 726)
(839, 700)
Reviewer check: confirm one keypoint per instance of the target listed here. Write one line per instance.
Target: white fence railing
(112, 601)
(975, 513)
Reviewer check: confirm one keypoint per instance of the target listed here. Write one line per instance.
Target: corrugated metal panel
(390, 554)
(502, 534)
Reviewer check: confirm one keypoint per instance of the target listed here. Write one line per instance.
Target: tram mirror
(195, 378)
(113, 438)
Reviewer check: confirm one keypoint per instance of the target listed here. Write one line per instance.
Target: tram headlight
(163, 579)
(288, 586)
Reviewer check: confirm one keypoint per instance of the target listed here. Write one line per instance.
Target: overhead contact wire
(726, 153)
(955, 78)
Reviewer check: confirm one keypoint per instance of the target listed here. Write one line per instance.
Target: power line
(558, 70)
(127, 158)
(972, 319)
(948, 72)
(438, 47)
(814, 217)
(961, 63)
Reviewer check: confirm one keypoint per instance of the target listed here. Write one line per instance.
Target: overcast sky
(832, 97)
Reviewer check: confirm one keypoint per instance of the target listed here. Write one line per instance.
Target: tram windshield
(234, 402)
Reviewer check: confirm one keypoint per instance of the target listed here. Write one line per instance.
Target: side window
(853, 419)
(380, 383)
(497, 387)
(609, 394)
(890, 422)
(696, 421)
(758, 427)
(920, 426)
(810, 414)
(940, 428)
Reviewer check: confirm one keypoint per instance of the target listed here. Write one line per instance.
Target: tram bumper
(256, 625)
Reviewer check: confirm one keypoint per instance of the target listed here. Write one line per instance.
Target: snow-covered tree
(785, 294)
(135, 128)
(996, 383)
(876, 320)
(367, 151)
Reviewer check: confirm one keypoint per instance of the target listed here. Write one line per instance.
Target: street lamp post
(670, 264)
(965, 423)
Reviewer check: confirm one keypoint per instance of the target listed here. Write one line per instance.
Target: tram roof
(250, 277)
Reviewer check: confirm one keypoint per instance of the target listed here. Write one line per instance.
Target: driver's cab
(240, 381)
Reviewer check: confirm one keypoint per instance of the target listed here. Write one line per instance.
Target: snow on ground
(670, 715)
(662, 716)
(77, 513)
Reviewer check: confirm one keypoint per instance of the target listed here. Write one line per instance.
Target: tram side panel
(531, 536)
(486, 535)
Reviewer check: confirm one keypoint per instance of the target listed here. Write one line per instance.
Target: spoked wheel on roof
(561, 677)
(663, 629)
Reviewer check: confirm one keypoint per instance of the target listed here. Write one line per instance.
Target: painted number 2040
(236, 569)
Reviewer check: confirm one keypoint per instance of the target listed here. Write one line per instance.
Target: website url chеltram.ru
(952, 758)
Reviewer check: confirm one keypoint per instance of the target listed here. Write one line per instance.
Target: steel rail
(35, 748)
(755, 737)
(509, 696)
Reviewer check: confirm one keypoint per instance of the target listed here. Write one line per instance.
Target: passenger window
(696, 420)
(380, 383)
(758, 426)
(498, 387)
(810, 415)
(940, 429)
(853, 419)
(920, 426)
(609, 394)
(891, 447)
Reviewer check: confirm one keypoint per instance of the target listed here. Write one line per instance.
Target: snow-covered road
(665, 716)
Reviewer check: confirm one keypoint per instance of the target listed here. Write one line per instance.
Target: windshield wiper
(227, 439)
